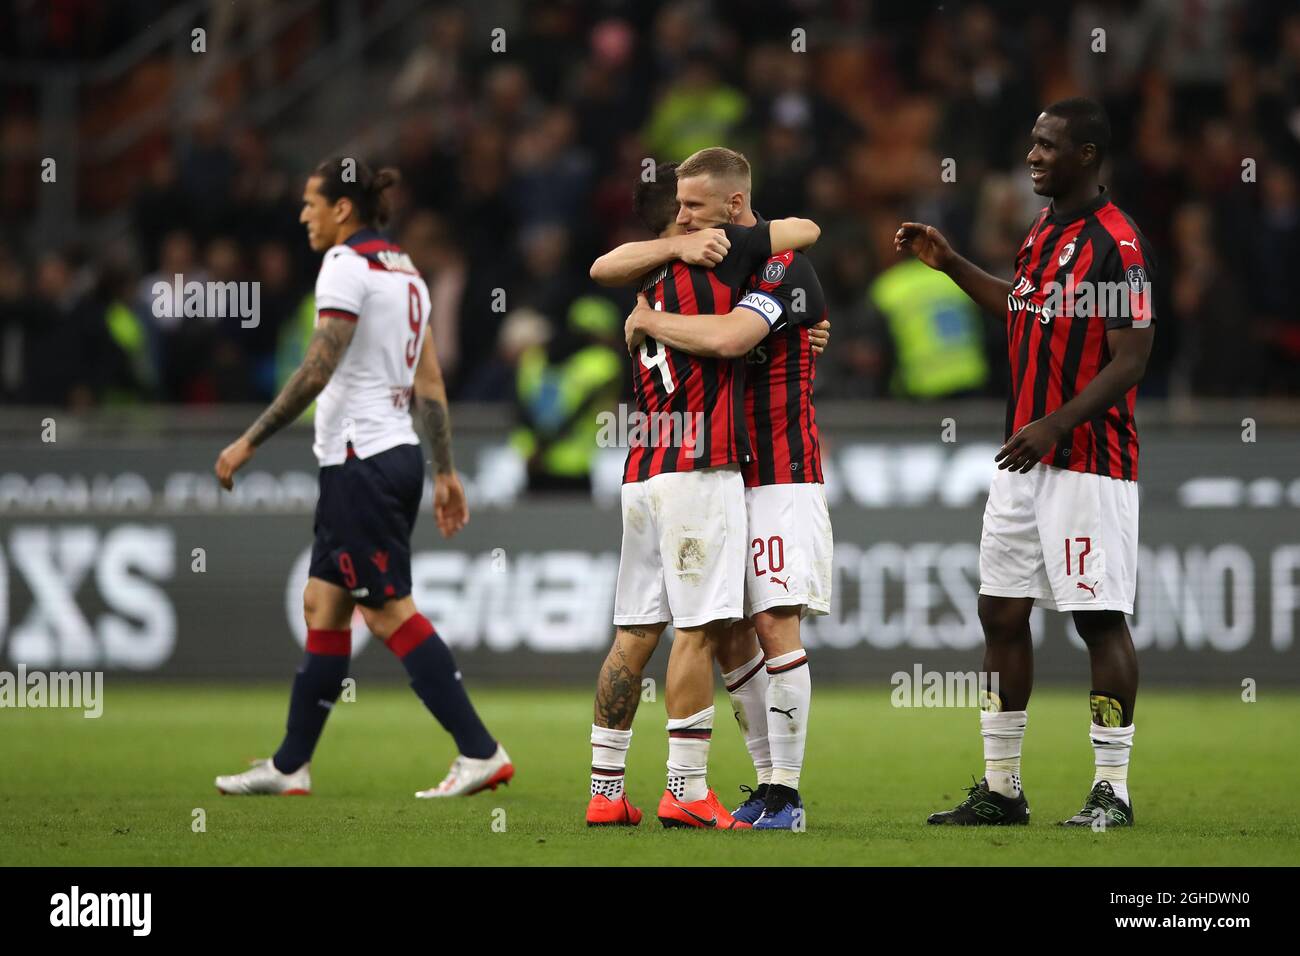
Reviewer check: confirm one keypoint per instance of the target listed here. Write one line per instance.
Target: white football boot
(263, 778)
(469, 775)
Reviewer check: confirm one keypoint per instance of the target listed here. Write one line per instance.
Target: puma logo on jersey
(785, 584)
(1129, 242)
(380, 560)
(1090, 588)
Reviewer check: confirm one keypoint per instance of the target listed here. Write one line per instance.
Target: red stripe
(691, 734)
(685, 291)
(1060, 340)
(337, 314)
(732, 688)
(811, 465)
(788, 667)
(722, 416)
(413, 632)
(649, 397)
(375, 245)
(1083, 451)
(329, 643)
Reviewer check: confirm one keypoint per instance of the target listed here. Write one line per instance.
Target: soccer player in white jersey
(369, 361)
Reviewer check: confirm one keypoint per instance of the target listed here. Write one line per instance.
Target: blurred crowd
(518, 170)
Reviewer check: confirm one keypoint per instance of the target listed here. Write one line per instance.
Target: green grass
(1214, 779)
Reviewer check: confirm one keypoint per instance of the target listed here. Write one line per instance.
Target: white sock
(1003, 733)
(789, 694)
(747, 687)
(688, 755)
(608, 760)
(1112, 745)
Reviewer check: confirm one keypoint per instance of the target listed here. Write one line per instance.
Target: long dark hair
(342, 177)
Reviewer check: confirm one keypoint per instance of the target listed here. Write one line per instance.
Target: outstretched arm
(324, 352)
(928, 244)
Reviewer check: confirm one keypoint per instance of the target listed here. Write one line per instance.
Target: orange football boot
(706, 814)
(604, 812)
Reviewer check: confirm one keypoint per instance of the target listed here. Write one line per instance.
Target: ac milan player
(788, 563)
(683, 508)
(1061, 523)
(368, 362)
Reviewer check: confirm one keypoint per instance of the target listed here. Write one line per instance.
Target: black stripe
(793, 409)
(1122, 432)
(1101, 444)
(1027, 322)
(1070, 370)
(661, 404)
(1043, 367)
(762, 392)
(710, 368)
(713, 377)
(741, 444)
(679, 366)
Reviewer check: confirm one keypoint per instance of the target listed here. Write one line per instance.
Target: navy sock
(436, 681)
(316, 687)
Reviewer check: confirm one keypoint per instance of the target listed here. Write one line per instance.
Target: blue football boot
(782, 810)
(752, 808)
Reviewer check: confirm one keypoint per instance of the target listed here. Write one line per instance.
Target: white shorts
(1068, 539)
(683, 549)
(790, 548)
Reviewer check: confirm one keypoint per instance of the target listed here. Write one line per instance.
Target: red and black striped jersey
(1076, 277)
(779, 373)
(691, 407)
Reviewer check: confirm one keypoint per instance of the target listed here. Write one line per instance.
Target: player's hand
(819, 335)
(232, 458)
(1027, 447)
(633, 329)
(450, 509)
(707, 247)
(925, 242)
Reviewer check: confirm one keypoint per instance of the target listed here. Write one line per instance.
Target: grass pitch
(1214, 782)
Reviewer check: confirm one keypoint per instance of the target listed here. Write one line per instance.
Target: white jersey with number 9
(371, 282)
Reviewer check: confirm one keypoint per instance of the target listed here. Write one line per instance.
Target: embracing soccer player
(1061, 523)
(369, 360)
(684, 537)
(790, 546)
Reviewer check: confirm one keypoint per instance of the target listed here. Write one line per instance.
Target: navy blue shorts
(364, 517)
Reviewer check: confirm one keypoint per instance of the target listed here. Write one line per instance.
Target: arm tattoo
(436, 424)
(324, 353)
